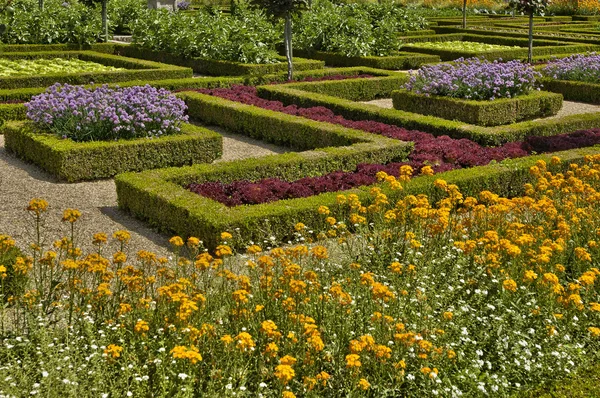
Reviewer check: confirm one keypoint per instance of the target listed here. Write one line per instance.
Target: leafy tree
(104, 4)
(530, 7)
(284, 9)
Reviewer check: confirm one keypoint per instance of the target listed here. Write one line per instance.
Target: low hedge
(216, 67)
(76, 161)
(290, 131)
(136, 70)
(542, 47)
(586, 17)
(288, 94)
(573, 90)
(159, 198)
(108, 48)
(481, 113)
(423, 32)
(447, 30)
(398, 61)
(12, 112)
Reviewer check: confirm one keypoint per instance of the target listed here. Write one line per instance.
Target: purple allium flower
(474, 79)
(105, 113)
(580, 67)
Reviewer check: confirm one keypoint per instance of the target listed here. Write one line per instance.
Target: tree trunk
(104, 20)
(288, 44)
(530, 56)
(464, 14)
(41, 4)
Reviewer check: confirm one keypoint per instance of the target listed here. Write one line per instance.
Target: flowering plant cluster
(104, 113)
(474, 79)
(580, 67)
(463, 296)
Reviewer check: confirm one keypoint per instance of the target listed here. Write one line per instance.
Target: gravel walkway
(97, 200)
(569, 107)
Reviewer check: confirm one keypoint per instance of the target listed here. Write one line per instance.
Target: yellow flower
(582, 254)
(426, 171)
(254, 249)
(595, 307)
(324, 210)
(353, 361)
(99, 238)
(71, 215)
(510, 285)
(319, 252)
(271, 349)
(288, 360)
(245, 342)
(227, 339)
(448, 315)
(285, 373)
(550, 278)
(193, 242)
(113, 351)
(182, 352)
(2, 271)
(529, 276)
(122, 236)
(223, 250)
(594, 331)
(141, 327)
(363, 384)
(288, 394)
(176, 241)
(225, 236)
(37, 206)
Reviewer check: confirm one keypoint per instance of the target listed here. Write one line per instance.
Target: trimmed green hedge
(136, 70)
(288, 94)
(12, 112)
(398, 61)
(481, 113)
(542, 46)
(76, 161)
(108, 48)
(159, 197)
(423, 32)
(573, 90)
(216, 67)
(446, 30)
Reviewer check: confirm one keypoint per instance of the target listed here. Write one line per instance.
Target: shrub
(474, 79)
(121, 13)
(105, 113)
(580, 67)
(247, 36)
(59, 21)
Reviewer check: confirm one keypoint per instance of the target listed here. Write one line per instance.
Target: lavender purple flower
(105, 113)
(474, 79)
(580, 67)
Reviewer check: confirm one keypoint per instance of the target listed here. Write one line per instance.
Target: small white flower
(182, 376)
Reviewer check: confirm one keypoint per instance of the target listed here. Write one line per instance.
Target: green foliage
(11, 284)
(573, 90)
(121, 13)
(355, 29)
(398, 61)
(76, 161)
(480, 113)
(246, 37)
(59, 22)
(133, 69)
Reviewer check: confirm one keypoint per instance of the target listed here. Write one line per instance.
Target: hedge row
(76, 161)
(481, 113)
(448, 30)
(12, 112)
(574, 90)
(216, 67)
(136, 70)
(398, 61)
(158, 196)
(542, 47)
(291, 131)
(108, 48)
(289, 94)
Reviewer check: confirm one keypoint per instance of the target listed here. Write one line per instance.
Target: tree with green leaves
(530, 8)
(284, 9)
(464, 11)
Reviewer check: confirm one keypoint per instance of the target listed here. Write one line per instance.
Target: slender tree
(464, 10)
(284, 9)
(530, 8)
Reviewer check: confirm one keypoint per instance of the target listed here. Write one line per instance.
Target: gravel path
(569, 107)
(97, 200)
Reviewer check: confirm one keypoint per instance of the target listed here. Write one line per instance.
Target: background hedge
(75, 161)
(574, 90)
(399, 61)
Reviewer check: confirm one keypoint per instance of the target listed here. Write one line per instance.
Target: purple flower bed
(105, 113)
(474, 79)
(580, 67)
(442, 153)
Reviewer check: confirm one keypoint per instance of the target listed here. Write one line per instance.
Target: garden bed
(131, 69)
(216, 67)
(481, 113)
(75, 161)
(399, 61)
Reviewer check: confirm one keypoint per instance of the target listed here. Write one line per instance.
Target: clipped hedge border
(481, 113)
(573, 90)
(12, 112)
(216, 67)
(158, 196)
(291, 94)
(76, 161)
(399, 61)
(108, 48)
(446, 30)
(136, 70)
(542, 46)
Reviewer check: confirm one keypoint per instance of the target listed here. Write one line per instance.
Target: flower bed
(104, 113)
(578, 67)
(461, 46)
(42, 66)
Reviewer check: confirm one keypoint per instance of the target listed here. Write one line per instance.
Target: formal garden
(326, 198)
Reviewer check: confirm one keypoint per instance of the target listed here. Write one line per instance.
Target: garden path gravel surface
(569, 107)
(97, 200)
